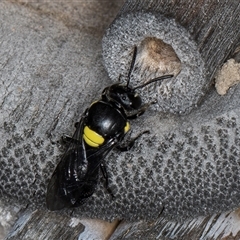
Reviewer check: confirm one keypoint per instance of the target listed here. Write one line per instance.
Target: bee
(102, 127)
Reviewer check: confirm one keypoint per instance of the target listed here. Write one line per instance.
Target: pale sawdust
(227, 76)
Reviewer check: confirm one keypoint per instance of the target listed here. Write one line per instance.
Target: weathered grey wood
(8, 216)
(52, 69)
(218, 226)
(236, 54)
(212, 24)
(39, 57)
(202, 35)
(213, 27)
(44, 225)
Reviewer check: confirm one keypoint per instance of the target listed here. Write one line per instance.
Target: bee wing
(95, 157)
(76, 176)
(68, 171)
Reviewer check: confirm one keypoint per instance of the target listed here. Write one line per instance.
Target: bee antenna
(154, 80)
(132, 65)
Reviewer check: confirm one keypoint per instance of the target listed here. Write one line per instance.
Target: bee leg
(66, 139)
(76, 124)
(129, 144)
(139, 112)
(105, 175)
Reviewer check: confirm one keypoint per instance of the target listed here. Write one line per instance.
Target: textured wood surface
(47, 226)
(213, 27)
(213, 24)
(224, 226)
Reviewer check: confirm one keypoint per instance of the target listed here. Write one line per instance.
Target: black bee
(101, 128)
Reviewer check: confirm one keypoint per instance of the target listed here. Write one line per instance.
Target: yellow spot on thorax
(127, 127)
(92, 138)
